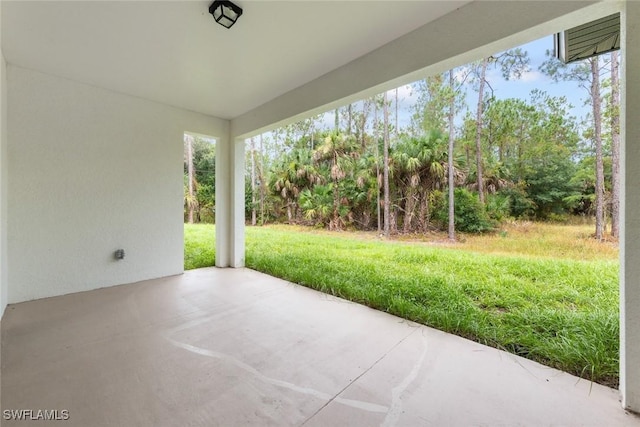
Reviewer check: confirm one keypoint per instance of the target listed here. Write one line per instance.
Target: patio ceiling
(174, 52)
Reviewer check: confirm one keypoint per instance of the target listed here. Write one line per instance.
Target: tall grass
(544, 240)
(561, 312)
(199, 246)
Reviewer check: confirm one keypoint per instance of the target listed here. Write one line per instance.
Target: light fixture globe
(225, 13)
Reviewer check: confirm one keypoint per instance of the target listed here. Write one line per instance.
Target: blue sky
(534, 79)
(520, 88)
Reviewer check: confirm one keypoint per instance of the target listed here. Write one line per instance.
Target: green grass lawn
(199, 246)
(560, 312)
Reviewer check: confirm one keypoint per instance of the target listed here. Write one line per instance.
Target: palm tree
(419, 168)
(338, 151)
(294, 173)
(317, 203)
(365, 196)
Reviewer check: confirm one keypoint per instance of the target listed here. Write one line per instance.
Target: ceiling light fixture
(225, 13)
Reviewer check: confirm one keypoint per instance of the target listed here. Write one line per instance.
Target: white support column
(630, 210)
(236, 229)
(223, 198)
(230, 203)
(4, 163)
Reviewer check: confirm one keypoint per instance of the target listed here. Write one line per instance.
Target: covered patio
(237, 347)
(95, 100)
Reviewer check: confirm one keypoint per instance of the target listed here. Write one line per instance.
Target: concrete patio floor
(236, 347)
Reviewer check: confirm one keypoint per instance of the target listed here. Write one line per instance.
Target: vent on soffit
(587, 40)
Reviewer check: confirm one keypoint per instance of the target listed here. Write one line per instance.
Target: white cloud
(531, 76)
(404, 92)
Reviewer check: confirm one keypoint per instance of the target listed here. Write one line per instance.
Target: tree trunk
(452, 101)
(190, 177)
(615, 146)
(396, 105)
(519, 153)
(262, 182)
(336, 120)
(467, 155)
(313, 132)
(480, 180)
(363, 125)
(366, 219)
(393, 222)
(423, 221)
(253, 181)
(385, 166)
(349, 118)
(427, 209)
(409, 207)
(375, 138)
(597, 131)
(335, 224)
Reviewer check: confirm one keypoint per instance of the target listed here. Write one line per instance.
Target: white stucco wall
(92, 171)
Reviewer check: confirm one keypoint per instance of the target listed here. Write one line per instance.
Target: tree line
(455, 167)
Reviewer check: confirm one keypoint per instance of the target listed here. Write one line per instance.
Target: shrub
(470, 214)
(520, 205)
(498, 206)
